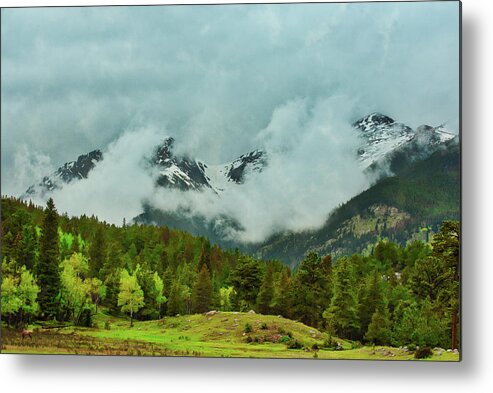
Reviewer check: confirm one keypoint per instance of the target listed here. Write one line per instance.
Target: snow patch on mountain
(381, 135)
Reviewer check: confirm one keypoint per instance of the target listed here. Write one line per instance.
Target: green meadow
(224, 334)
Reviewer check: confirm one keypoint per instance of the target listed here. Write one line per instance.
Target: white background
(474, 373)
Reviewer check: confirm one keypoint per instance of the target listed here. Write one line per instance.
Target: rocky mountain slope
(188, 175)
(408, 205)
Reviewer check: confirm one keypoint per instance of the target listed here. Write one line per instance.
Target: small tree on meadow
(75, 290)
(10, 299)
(28, 293)
(131, 296)
(19, 296)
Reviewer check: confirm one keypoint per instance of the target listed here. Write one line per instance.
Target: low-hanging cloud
(28, 164)
(312, 167)
(115, 188)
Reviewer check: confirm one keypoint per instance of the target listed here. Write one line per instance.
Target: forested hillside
(412, 204)
(57, 268)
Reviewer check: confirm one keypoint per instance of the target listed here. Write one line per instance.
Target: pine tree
(246, 279)
(205, 257)
(379, 330)
(281, 300)
(202, 292)
(266, 292)
(446, 246)
(310, 293)
(97, 252)
(371, 296)
(47, 269)
(430, 279)
(342, 316)
(178, 298)
(112, 283)
(26, 255)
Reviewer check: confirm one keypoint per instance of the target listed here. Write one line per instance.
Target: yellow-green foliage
(131, 296)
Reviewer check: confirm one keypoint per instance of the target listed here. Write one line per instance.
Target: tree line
(60, 268)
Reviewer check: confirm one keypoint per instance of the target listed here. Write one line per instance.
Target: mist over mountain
(244, 201)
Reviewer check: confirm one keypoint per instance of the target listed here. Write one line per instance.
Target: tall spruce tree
(379, 330)
(246, 279)
(282, 288)
(47, 267)
(202, 294)
(97, 252)
(371, 296)
(446, 246)
(342, 315)
(205, 257)
(27, 247)
(310, 294)
(266, 292)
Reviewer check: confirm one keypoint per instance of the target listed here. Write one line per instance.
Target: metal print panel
(265, 180)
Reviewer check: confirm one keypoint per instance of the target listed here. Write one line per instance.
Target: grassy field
(221, 335)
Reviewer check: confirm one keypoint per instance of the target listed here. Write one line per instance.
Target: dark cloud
(223, 80)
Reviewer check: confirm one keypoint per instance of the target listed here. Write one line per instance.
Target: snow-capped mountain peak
(373, 120)
(380, 137)
(188, 174)
(70, 171)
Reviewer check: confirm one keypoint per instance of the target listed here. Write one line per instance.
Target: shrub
(315, 347)
(263, 326)
(107, 325)
(329, 343)
(284, 332)
(294, 344)
(423, 353)
(411, 347)
(356, 345)
(86, 318)
(248, 328)
(284, 339)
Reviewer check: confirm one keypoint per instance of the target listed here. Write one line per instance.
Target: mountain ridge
(387, 149)
(380, 137)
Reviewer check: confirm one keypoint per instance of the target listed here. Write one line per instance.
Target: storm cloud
(224, 80)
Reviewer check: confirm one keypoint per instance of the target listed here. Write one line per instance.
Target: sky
(222, 80)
